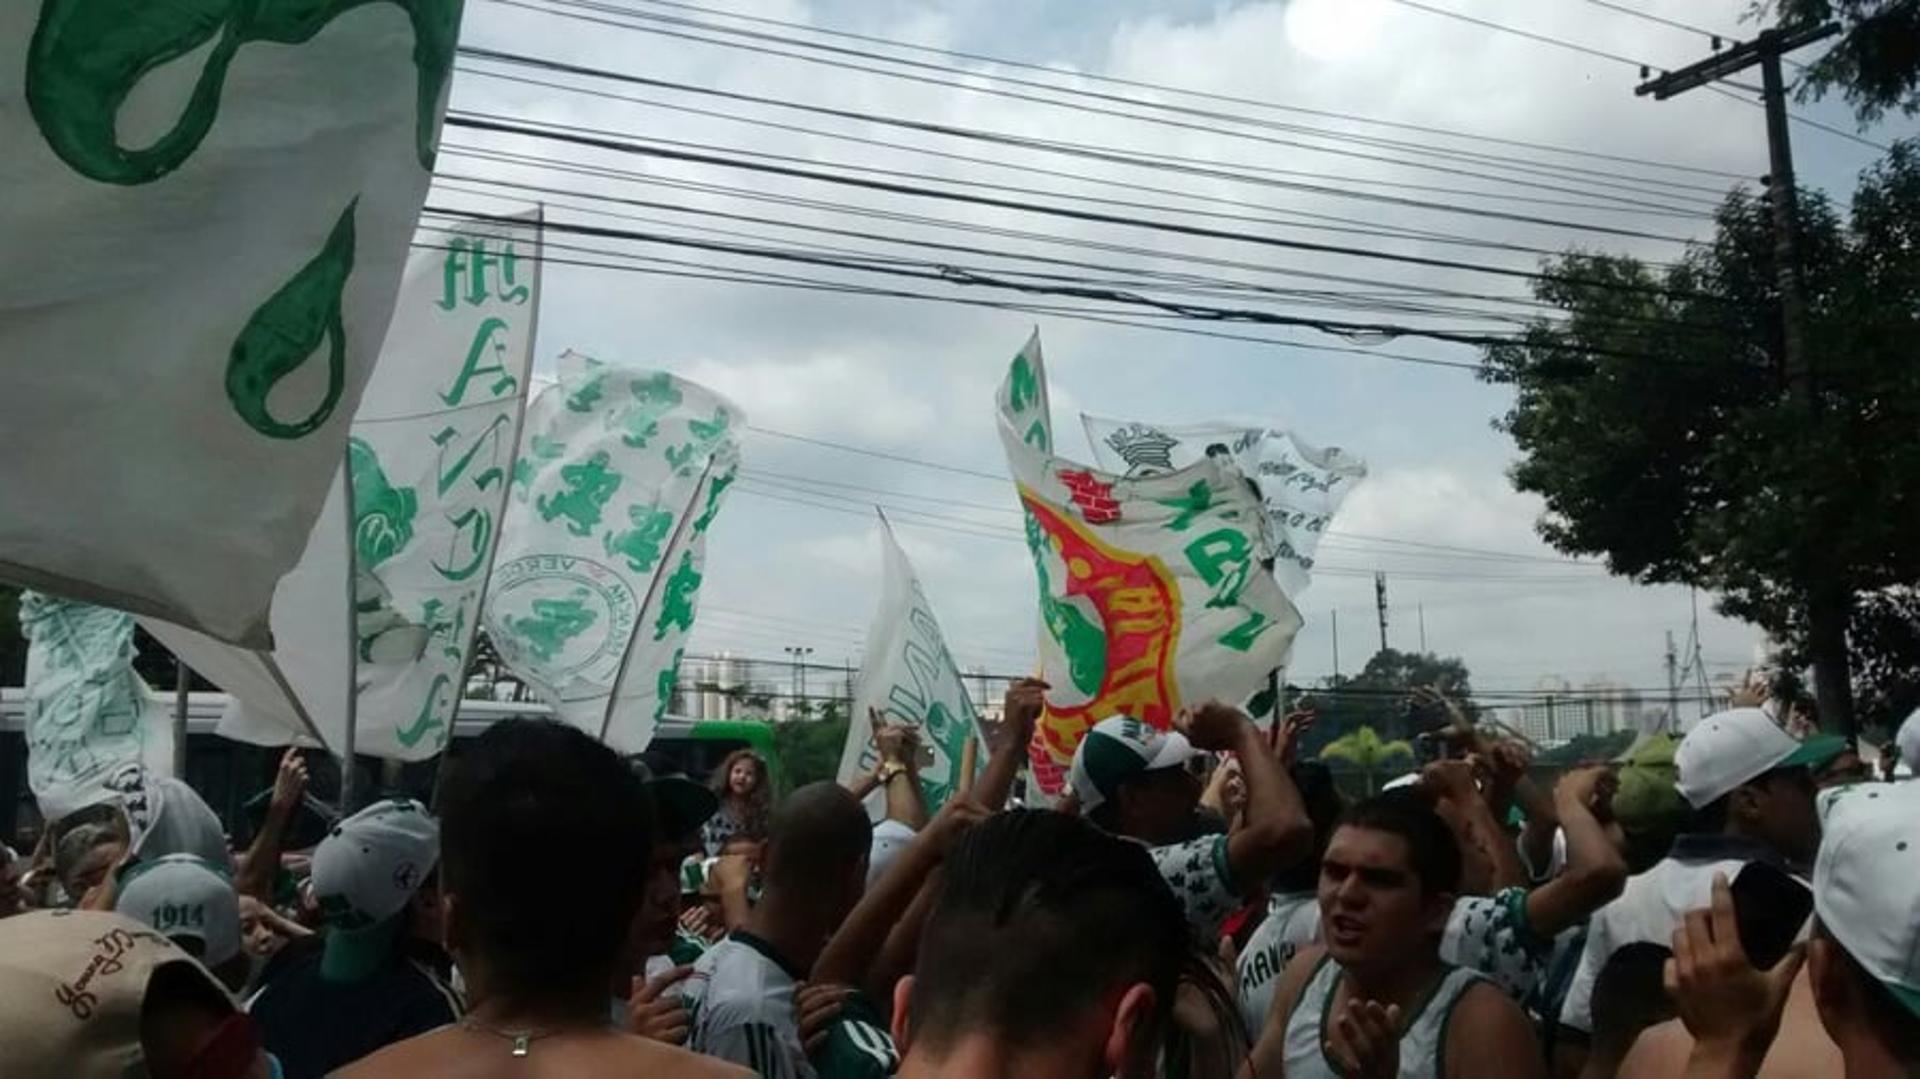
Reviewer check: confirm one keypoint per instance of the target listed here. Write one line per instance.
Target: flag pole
(351, 736)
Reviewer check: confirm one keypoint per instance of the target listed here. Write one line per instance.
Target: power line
(1662, 20)
(1229, 99)
(597, 139)
(1175, 281)
(1104, 154)
(1212, 168)
(1617, 58)
(951, 274)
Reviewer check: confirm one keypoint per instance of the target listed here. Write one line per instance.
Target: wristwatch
(888, 770)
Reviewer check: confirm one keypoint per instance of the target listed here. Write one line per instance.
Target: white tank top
(1423, 1045)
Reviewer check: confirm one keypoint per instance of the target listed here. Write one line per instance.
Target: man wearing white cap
(192, 904)
(1750, 786)
(1862, 968)
(374, 977)
(1136, 781)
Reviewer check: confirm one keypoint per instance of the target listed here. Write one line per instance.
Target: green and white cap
(1866, 880)
(364, 874)
(1731, 748)
(188, 901)
(1121, 748)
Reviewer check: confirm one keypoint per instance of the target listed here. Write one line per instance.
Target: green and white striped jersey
(740, 1007)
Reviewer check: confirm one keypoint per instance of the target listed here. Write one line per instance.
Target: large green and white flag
(910, 679)
(91, 722)
(377, 621)
(1301, 484)
(207, 208)
(620, 474)
(1156, 592)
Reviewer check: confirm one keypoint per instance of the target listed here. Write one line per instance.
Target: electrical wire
(1617, 58)
(1227, 99)
(973, 77)
(1008, 139)
(615, 142)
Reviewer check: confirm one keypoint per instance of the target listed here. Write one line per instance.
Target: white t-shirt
(1292, 923)
(740, 1003)
(1651, 906)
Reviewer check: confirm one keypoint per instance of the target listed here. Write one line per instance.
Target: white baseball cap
(1120, 748)
(364, 873)
(186, 900)
(890, 837)
(1731, 748)
(1866, 880)
(1908, 739)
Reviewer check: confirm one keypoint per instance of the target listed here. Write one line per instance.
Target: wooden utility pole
(1828, 604)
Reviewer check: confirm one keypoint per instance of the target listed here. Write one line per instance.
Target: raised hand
(1726, 1004)
(1366, 1040)
(289, 783)
(652, 1013)
(1214, 726)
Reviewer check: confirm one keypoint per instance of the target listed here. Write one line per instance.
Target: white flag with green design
(910, 679)
(620, 474)
(378, 620)
(1302, 485)
(206, 211)
(1156, 592)
(91, 722)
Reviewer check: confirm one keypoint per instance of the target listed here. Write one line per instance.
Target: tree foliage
(1365, 751)
(809, 749)
(1377, 697)
(1875, 63)
(1654, 417)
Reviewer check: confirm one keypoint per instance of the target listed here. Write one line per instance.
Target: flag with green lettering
(206, 214)
(910, 679)
(91, 723)
(377, 622)
(620, 474)
(1156, 592)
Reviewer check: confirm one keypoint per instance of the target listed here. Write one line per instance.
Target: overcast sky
(914, 379)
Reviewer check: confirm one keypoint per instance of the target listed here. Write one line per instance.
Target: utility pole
(799, 655)
(1380, 602)
(1423, 628)
(1828, 604)
(1336, 644)
(1673, 685)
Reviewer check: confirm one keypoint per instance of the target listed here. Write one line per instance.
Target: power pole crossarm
(1734, 60)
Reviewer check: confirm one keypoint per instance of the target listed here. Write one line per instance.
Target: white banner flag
(909, 677)
(92, 726)
(596, 584)
(1302, 485)
(1156, 592)
(216, 201)
(378, 620)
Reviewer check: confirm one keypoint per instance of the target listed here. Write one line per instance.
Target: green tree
(1875, 63)
(1366, 751)
(810, 748)
(1377, 697)
(1655, 419)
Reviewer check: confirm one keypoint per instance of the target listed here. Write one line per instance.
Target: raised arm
(1276, 832)
(1024, 701)
(263, 857)
(851, 951)
(1595, 871)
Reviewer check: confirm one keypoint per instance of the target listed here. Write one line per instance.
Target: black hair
(1893, 1025)
(1040, 915)
(1409, 814)
(1324, 805)
(1629, 996)
(535, 788)
(820, 830)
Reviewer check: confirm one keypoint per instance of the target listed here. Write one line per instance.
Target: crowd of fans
(1727, 901)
